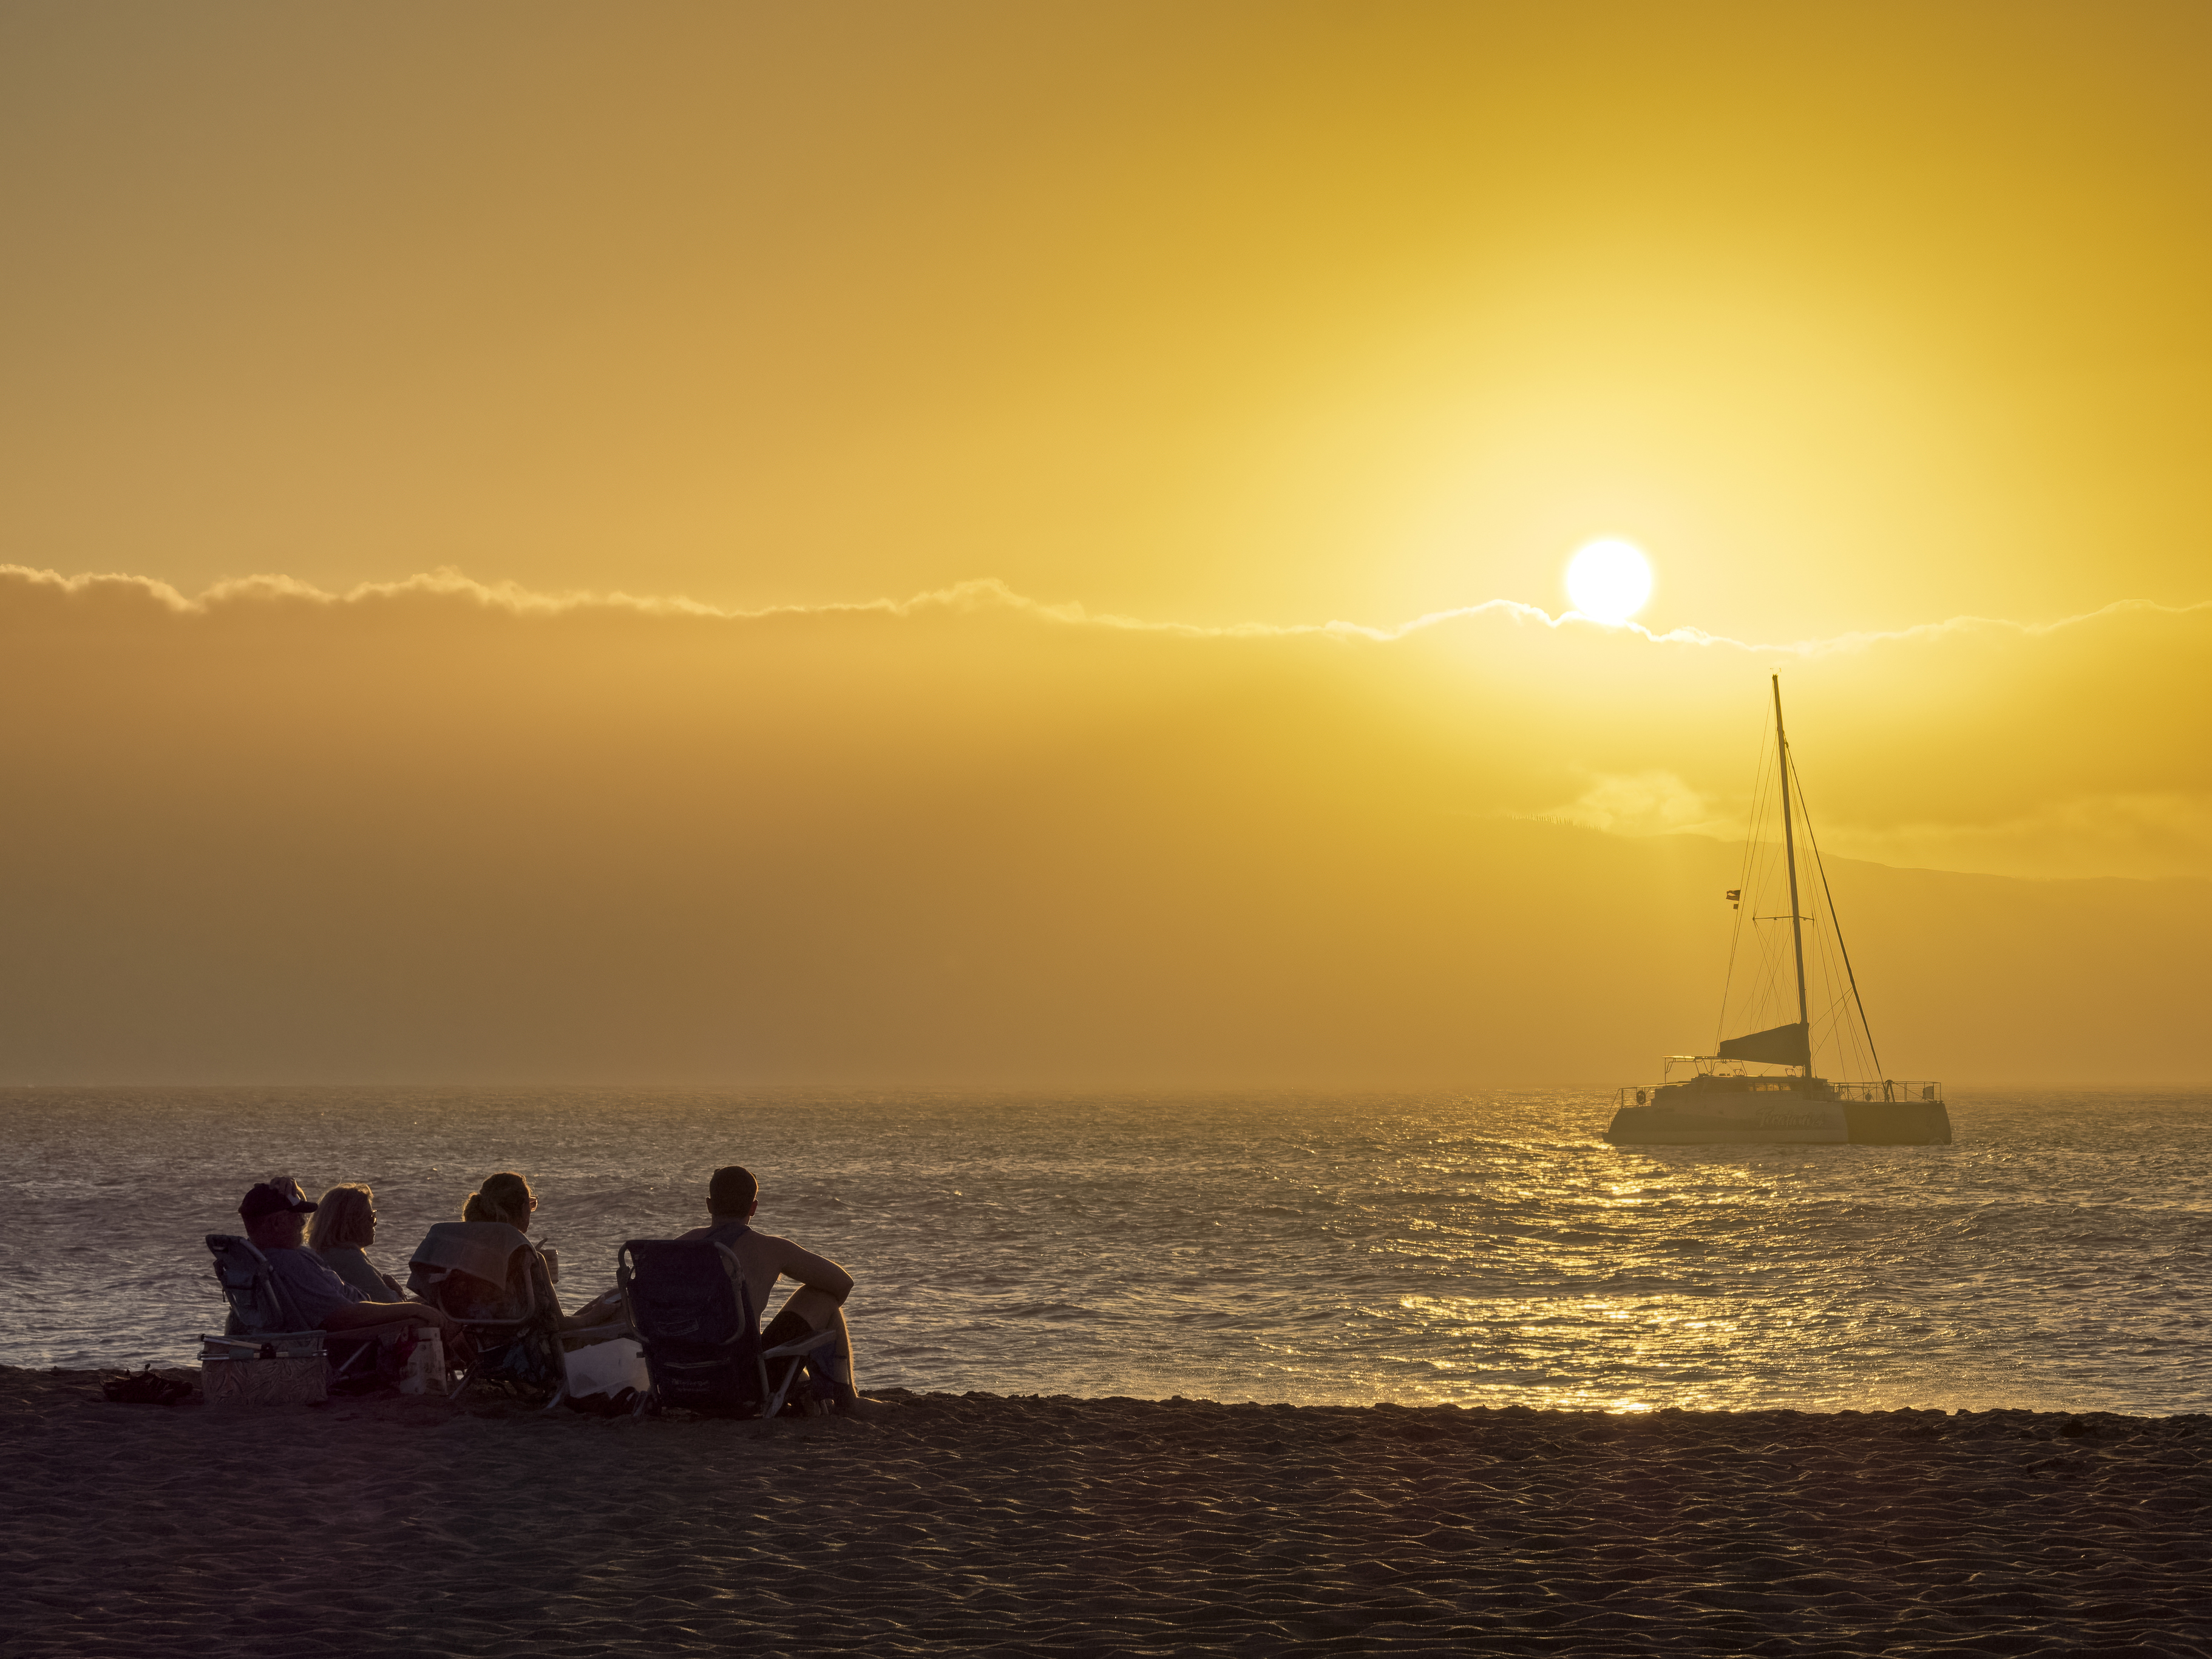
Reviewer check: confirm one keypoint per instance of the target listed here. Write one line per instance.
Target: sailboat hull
(1772, 1117)
(1701, 1119)
(1898, 1123)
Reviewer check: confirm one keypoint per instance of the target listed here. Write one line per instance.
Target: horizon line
(2102, 1084)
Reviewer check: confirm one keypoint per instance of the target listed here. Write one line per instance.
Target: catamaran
(1761, 1086)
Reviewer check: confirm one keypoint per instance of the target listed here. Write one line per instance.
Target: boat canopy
(1784, 1045)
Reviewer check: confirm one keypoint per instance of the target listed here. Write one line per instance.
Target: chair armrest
(598, 1333)
(255, 1344)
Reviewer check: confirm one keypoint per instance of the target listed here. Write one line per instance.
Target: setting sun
(698, 699)
(1609, 580)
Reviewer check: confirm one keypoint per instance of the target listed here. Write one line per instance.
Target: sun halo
(1609, 579)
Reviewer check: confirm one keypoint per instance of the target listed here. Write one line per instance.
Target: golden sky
(1238, 379)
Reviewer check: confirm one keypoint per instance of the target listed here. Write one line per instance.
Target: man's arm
(816, 1273)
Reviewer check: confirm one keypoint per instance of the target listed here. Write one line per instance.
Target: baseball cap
(270, 1196)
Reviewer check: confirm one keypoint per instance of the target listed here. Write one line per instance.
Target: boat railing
(1677, 1066)
(1887, 1090)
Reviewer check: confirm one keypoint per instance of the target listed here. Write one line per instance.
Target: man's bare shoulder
(792, 1258)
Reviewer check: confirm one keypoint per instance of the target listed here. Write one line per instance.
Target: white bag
(607, 1368)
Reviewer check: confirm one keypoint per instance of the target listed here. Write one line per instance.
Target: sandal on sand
(144, 1388)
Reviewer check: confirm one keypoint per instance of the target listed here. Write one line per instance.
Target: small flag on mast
(1735, 897)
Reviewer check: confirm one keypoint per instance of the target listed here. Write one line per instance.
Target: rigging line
(1852, 1035)
(1743, 884)
(1768, 994)
(1835, 1029)
(1851, 1051)
(1848, 1036)
(1835, 921)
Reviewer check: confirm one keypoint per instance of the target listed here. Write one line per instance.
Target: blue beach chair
(263, 1319)
(693, 1317)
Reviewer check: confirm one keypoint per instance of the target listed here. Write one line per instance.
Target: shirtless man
(733, 1197)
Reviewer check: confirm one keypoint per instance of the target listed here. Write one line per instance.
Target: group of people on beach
(318, 1252)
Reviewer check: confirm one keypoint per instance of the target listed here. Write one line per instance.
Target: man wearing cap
(276, 1214)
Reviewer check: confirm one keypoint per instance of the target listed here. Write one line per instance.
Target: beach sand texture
(979, 1524)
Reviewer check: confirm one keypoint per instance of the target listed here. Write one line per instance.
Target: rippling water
(1486, 1249)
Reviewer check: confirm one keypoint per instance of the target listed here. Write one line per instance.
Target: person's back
(763, 1259)
(733, 1200)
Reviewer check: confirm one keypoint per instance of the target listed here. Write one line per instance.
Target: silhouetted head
(344, 1215)
(732, 1193)
(503, 1197)
(276, 1214)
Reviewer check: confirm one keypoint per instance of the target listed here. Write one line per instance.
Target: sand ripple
(979, 1524)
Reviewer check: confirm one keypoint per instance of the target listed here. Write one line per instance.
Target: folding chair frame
(243, 1300)
(749, 1325)
(542, 1318)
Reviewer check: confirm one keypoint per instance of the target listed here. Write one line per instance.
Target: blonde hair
(341, 1217)
(503, 1197)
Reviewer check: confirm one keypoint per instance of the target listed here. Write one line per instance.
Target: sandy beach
(1053, 1525)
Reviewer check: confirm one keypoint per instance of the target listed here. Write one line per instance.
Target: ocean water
(1483, 1249)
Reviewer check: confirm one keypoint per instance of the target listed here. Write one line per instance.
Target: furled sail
(1785, 1045)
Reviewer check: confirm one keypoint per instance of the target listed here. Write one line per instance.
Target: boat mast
(1789, 856)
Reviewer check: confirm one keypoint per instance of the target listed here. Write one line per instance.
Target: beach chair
(490, 1278)
(263, 1319)
(694, 1320)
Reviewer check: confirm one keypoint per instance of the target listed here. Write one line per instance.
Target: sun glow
(1609, 580)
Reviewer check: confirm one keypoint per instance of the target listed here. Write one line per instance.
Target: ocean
(1483, 1249)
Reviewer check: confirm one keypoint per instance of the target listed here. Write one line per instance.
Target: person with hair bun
(344, 1225)
(505, 1197)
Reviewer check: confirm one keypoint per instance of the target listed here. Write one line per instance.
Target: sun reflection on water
(1485, 1250)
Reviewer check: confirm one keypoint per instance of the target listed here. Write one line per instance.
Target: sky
(1002, 544)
